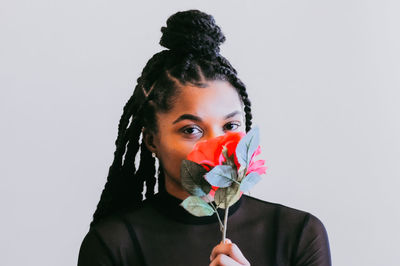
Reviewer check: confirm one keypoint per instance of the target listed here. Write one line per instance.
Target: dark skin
(199, 114)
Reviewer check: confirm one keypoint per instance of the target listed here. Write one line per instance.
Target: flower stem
(225, 220)
(221, 226)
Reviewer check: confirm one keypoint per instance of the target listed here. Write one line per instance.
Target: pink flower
(256, 166)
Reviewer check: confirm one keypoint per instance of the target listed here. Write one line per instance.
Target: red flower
(209, 154)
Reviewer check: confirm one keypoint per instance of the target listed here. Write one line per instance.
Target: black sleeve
(313, 247)
(94, 252)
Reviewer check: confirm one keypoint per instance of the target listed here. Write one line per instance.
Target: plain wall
(323, 77)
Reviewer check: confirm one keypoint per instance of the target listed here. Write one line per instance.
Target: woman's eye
(192, 131)
(231, 126)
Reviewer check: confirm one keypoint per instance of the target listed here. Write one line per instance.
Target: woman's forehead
(218, 98)
(216, 102)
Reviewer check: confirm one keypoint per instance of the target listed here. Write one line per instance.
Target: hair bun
(192, 31)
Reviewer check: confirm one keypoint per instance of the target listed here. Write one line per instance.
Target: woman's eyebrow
(198, 119)
(187, 116)
(232, 114)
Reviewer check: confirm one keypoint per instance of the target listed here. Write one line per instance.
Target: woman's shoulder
(108, 240)
(283, 216)
(109, 230)
(273, 207)
(116, 225)
(303, 232)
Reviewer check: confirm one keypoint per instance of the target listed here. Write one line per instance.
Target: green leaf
(247, 146)
(192, 178)
(232, 193)
(197, 206)
(249, 181)
(221, 176)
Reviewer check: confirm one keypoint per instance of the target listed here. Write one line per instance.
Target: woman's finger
(230, 249)
(224, 260)
(227, 241)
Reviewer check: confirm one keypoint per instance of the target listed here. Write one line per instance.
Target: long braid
(161, 179)
(237, 83)
(147, 170)
(130, 192)
(111, 194)
(107, 193)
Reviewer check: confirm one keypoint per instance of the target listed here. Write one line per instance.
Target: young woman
(188, 93)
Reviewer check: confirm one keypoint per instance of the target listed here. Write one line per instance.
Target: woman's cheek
(180, 155)
(173, 152)
(172, 160)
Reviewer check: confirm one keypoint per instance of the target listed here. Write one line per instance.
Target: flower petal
(257, 166)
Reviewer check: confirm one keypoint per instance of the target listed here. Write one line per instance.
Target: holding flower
(220, 170)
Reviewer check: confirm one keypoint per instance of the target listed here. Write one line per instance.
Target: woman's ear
(148, 138)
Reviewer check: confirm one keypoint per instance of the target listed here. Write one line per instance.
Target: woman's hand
(227, 254)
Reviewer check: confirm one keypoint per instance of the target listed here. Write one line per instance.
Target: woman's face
(197, 114)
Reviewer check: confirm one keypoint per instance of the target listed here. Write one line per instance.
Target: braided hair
(192, 57)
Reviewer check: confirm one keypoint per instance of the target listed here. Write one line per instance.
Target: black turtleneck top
(161, 232)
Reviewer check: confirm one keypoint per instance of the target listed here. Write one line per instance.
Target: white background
(323, 77)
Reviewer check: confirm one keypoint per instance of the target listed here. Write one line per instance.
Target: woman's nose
(214, 132)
